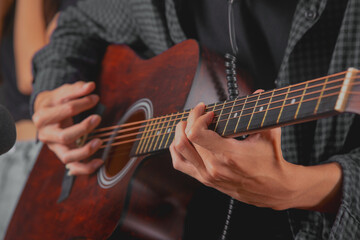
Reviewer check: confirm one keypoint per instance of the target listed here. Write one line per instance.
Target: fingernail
(67, 166)
(96, 143)
(98, 163)
(94, 120)
(86, 85)
(94, 97)
(69, 173)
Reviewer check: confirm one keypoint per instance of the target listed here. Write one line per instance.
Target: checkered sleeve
(347, 222)
(78, 43)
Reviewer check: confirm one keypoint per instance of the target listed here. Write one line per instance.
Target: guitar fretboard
(296, 103)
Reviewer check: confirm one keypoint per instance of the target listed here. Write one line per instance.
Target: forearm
(318, 187)
(29, 37)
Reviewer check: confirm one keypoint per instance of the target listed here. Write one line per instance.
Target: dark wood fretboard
(289, 105)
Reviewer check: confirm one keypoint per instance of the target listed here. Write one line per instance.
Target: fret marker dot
(168, 130)
(158, 132)
(261, 108)
(235, 115)
(293, 101)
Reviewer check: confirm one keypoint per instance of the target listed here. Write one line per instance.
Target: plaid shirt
(324, 39)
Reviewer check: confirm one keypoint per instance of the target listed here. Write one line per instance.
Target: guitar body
(140, 197)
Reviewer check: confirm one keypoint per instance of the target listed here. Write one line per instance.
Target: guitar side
(151, 198)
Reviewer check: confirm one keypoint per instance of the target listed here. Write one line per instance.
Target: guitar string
(160, 133)
(278, 89)
(217, 116)
(120, 152)
(225, 114)
(139, 123)
(116, 143)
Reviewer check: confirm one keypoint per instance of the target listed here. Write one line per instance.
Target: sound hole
(119, 155)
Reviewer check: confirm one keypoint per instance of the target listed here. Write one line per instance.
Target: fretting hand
(253, 170)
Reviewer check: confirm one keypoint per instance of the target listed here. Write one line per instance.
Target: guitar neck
(297, 103)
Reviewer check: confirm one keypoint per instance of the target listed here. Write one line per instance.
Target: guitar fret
(151, 137)
(233, 115)
(169, 129)
(219, 117)
(212, 124)
(145, 137)
(165, 131)
(246, 113)
(172, 132)
(228, 118)
(321, 94)
(267, 108)
(159, 132)
(274, 107)
(241, 112)
(310, 99)
(301, 100)
(224, 117)
(282, 107)
(259, 112)
(331, 95)
(252, 114)
(140, 138)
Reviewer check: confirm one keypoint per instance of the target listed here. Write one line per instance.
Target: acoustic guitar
(137, 194)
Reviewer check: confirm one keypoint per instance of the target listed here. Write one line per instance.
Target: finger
(185, 148)
(79, 168)
(258, 91)
(194, 114)
(72, 91)
(63, 94)
(53, 133)
(201, 135)
(180, 163)
(68, 155)
(58, 113)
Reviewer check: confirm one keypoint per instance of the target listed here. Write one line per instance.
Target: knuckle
(52, 148)
(176, 164)
(206, 180)
(193, 135)
(87, 150)
(180, 145)
(41, 137)
(63, 138)
(215, 175)
(36, 118)
(69, 109)
(180, 124)
(228, 161)
(66, 158)
(172, 148)
(87, 126)
(90, 169)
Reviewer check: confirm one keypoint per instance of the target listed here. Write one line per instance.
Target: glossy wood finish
(150, 201)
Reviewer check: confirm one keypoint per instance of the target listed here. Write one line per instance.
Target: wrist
(317, 188)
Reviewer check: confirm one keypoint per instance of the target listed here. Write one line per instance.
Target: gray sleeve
(347, 221)
(79, 42)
